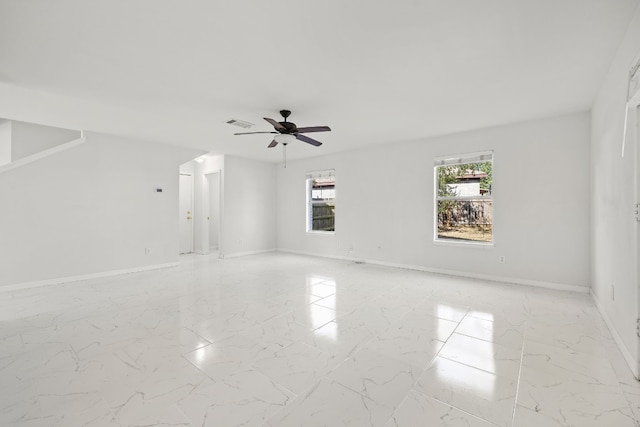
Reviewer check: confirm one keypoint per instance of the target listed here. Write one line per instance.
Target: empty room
(297, 213)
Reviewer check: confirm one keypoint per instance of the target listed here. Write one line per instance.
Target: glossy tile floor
(286, 340)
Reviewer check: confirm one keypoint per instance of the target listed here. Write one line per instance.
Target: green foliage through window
(464, 201)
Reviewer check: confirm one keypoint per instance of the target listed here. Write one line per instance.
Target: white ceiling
(375, 71)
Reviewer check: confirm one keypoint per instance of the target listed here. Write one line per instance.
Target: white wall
(188, 168)
(541, 204)
(31, 138)
(613, 252)
(214, 209)
(248, 205)
(89, 210)
(5, 142)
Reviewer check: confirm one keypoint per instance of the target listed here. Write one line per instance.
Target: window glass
(321, 206)
(464, 203)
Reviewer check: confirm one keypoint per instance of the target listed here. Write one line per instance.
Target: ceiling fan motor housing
(289, 126)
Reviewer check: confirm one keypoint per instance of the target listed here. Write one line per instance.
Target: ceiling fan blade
(273, 144)
(314, 129)
(275, 124)
(250, 133)
(308, 140)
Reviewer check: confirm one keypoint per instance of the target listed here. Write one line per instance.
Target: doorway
(185, 213)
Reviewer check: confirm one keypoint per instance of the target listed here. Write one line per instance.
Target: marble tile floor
(286, 340)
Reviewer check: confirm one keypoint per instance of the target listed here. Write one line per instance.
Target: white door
(636, 207)
(185, 219)
(632, 150)
(213, 214)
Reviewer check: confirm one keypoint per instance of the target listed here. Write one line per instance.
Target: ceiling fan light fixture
(285, 138)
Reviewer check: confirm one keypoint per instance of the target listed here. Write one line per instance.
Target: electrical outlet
(147, 251)
(502, 259)
(350, 249)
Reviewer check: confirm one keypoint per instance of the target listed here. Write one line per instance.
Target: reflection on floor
(285, 340)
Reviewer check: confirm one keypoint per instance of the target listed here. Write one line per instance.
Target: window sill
(322, 233)
(468, 244)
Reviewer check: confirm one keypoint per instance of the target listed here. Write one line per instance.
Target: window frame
(309, 201)
(461, 159)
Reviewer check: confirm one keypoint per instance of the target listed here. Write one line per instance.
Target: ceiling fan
(288, 131)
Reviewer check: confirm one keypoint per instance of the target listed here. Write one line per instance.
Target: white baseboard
(501, 279)
(59, 280)
(240, 254)
(616, 337)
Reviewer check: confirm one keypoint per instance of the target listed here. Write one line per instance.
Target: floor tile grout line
(486, 340)
(455, 407)
(466, 364)
(431, 363)
(475, 367)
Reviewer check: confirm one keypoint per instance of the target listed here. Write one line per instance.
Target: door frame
(207, 208)
(191, 226)
(632, 142)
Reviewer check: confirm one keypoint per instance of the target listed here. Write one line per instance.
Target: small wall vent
(240, 123)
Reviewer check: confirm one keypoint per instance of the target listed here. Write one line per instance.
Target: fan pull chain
(284, 155)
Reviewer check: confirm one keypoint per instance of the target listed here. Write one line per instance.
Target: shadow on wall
(19, 140)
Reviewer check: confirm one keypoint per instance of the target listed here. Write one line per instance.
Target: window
(321, 202)
(463, 193)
